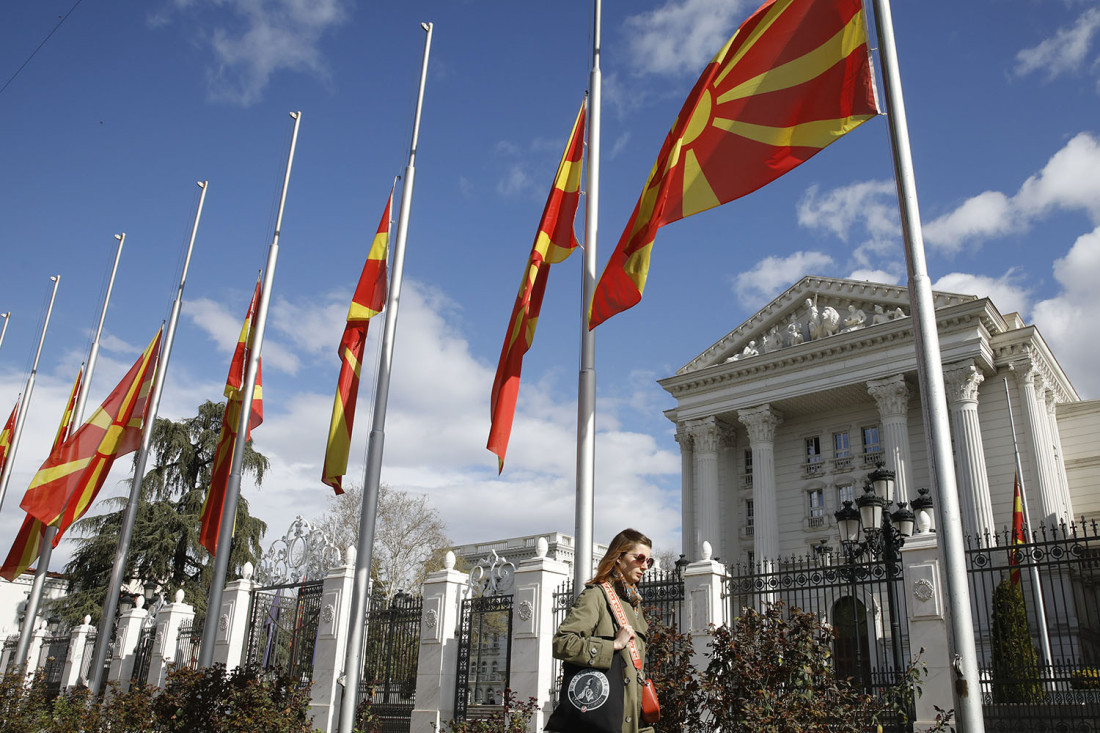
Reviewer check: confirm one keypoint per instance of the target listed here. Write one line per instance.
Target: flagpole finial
(119, 237)
(54, 278)
(201, 184)
(427, 27)
(295, 115)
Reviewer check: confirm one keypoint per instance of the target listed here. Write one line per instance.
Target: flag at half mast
(5, 435)
(794, 77)
(28, 540)
(368, 301)
(1018, 536)
(72, 476)
(223, 455)
(554, 242)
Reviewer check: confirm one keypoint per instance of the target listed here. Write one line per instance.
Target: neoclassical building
(781, 420)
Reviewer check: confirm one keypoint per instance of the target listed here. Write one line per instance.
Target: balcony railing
(813, 467)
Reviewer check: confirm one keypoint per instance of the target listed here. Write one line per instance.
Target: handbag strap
(620, 616)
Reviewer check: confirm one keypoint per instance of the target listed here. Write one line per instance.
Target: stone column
(169, 620)
(437, 665)
(331, 646)
(1030, 381)
(1058, 459)
(962, 382)
(531, 670)
(704, 603)
(78, 647)
(761, 423)
(704, 439)
(232, 620)
(892, 397)
(127, 635)
(689, 536)
(924, 588)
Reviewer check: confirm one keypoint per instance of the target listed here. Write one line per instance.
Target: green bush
(511, 717)
(669, 665)
(1015, 664)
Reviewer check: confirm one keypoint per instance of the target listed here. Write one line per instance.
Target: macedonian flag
(72, 476)
(223, 454)
(1019, 535)
(368, 301)
(28, 540)
(795, 77)
(554, 242)
(5, 435)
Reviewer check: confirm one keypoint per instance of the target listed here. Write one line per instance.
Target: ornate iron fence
(55, 650)
(1052, 579)
(485, 638)
(862, 601)
(282, 629)
(390, 659)
(187, 645)
(10, 645)
(86, 660)
(143, 656)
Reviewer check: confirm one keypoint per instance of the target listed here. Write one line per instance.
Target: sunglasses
(639, 559)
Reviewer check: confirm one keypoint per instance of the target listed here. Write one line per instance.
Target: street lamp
(883, 535)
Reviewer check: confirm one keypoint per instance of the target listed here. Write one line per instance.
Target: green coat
(587, 638)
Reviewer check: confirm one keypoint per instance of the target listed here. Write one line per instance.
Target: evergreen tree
(1015, 664)
(165, 544)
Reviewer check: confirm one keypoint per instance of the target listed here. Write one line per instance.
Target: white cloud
(876, 276)
(516, 182)
(682, 36)
(263, 38)
(1006, 293)
(870, 206)
(771, 275)
(224, 328)
(1061, 319)
(1066, 51)
(1070, 180)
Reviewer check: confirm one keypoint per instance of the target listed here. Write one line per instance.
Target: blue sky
(109, 125)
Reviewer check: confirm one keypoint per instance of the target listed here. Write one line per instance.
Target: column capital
(706, 434)
(760, 422)
(891, 395)
(962, 381)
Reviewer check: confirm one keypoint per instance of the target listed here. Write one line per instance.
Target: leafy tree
(165, 544)
(410, 537)
(1015, 665)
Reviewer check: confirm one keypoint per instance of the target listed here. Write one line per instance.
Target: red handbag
(651, 707)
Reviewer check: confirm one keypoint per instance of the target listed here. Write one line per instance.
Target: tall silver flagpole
(4, 330)
(114, 586)
(967, 688)
(1040, 608)
(372, 473)
(586, 387)
(45, 552)
(5, 476)
(233, 485)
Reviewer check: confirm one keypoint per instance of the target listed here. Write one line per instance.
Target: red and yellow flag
(795, 77)
(554, 242)
(223, 456)
(5, 435)
(368, 301)
(72, 476)
(28, 540)
(1018, 535)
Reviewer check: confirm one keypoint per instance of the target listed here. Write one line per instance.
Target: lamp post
(883, 535)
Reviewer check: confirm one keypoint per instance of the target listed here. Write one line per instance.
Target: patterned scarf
(627, 592)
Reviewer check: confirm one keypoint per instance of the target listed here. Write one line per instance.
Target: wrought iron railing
(188, 639)
(143, 656)
(282, 630)
(55, 650)
(390, 659)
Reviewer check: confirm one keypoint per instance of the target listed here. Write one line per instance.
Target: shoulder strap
(620, 616)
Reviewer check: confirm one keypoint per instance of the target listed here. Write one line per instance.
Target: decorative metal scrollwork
(304, 553)
(492, 576)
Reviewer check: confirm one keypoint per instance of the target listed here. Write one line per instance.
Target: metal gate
(282, 630)
(143, 656)
(863, 601)
(390, 659)
(55, 650)
(485, 639)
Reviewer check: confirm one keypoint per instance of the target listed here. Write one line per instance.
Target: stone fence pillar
(34, 649)
(331, 645)
(169, 620)
(232, 620)
(704, 605)
(926, 606)
(437, 666)
(531, 669)
(127, 635)
(78, 650)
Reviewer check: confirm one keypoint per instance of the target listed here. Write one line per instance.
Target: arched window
(850, 647)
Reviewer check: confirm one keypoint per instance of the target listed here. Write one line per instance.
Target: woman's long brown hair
(619, 546)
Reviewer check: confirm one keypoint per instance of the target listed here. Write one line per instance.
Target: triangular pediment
(812, 309)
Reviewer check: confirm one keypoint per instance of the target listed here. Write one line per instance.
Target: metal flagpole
(967, 688)
(233, 485)
(114, 586)
(372, 473)
(5, 476)
(4, 330)
(1040, 609)
(45, 552)
(586, 387)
